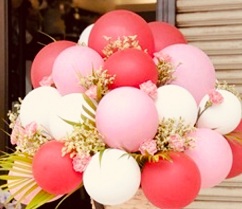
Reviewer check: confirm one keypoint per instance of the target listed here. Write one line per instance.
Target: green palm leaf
(40, 198)
(21, 180)
(90, 102)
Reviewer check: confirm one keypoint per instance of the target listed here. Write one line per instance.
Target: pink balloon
(72, 63)
(165, 34)
(43, 61)
(194, 69)
(126, 117)
(213, 156)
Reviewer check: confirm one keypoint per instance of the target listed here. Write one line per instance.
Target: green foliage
(21, 179)
(142, 159)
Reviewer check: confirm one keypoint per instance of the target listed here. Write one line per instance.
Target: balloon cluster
(131, 106)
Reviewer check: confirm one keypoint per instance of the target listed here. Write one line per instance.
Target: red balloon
(236, 168)
(171, 184)
(165, 34)
(239, 127)
(236, 147)
(118, 23)
(44, 59)
(53, 172)
(131, 67)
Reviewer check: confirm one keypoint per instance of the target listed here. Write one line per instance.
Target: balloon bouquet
(131, 107)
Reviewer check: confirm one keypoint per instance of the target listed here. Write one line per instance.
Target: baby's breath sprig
(85, 139)
(14, 113)
(31, 143)
(28, 139)
(172, 135)
(120, 43)
(165, 68)
(223, 85)
(100, 79)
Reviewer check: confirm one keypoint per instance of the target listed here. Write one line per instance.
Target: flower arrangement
(123, 112)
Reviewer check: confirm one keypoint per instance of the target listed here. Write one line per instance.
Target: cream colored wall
(227, 195)
(215, 26)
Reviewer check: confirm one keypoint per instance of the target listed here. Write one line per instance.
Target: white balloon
(176, 102)
(112, 180)
(37, 105)
(224, 117)
(68, 107)
(83, 38)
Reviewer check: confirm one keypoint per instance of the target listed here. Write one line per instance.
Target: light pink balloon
(194, 69)
(72, 63)
(213, 156)
(43, 61)
(126, 117)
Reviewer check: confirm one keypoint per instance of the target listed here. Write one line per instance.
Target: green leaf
(39, 199)
(21, 178)
(21, 164)
(7, 177)
(71, 122)
(21, 185)
(24, 188)
(89, 102)
(88, 112)
(87, 120)
(12, 184)
(28, 190)
(22, 171)
(142, 159)
(100, 156)
(19, 157)
(99, 91)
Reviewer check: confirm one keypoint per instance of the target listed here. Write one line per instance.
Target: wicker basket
(137, 202)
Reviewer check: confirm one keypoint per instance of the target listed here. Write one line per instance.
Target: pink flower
(92, 92)
(31, 129)
(162, 57)
(177, 143)
(46, 81)
(149, 88)
(215, 97)
(80, 162)
(17, 132)
(148, 146)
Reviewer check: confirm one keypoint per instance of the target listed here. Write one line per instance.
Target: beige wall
(3, 70)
